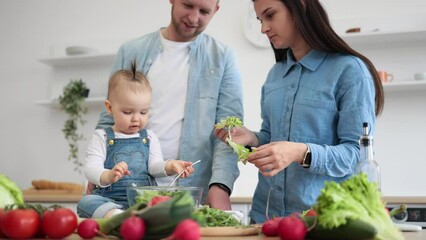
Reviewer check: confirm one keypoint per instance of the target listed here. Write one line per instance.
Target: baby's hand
(118, 171)
(177, 166)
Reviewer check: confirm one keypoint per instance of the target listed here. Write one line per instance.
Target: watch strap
(306, 163)
(222, 186)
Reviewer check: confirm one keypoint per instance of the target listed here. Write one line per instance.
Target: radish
(88, 228)
(292, 228)
(158, 199)
(187, 229)
(132, 228)
(270, 227)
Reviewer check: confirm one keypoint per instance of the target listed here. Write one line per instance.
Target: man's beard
(179, 29)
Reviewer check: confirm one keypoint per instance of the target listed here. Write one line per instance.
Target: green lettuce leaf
(355, 199)
(10, 193)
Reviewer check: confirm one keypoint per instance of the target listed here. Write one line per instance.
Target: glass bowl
(145, 193)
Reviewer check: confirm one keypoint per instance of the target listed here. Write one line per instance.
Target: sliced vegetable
(10, 193)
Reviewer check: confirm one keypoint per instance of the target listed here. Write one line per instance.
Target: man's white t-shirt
(168, 76)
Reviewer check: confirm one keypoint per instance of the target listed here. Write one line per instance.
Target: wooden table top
(407, 236)
(64, 196)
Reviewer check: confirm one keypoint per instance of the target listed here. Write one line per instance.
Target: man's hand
(218, 198)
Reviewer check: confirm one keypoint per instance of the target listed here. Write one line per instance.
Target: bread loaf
(46, 184)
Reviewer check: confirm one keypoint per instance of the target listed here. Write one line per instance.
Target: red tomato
(158, 199)
(20, 223)
(59, 223)
(2, 235)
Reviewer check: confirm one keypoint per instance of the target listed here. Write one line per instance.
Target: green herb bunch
(228, 124)
(211, 217)
(71, 101)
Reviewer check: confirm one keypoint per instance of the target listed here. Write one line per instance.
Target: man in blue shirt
(196, 82)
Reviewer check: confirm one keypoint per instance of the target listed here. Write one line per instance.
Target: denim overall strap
(133, 151)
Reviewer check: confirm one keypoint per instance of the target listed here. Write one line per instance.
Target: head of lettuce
(10, 193)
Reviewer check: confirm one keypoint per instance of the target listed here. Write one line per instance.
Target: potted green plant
(71, 102)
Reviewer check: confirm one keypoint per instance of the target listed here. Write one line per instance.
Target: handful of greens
(228, 124)
(211, 217)
(355, 199)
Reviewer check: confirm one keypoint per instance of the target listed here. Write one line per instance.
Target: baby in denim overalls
(125, 154)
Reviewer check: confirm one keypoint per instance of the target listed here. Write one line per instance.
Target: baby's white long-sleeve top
(96, 156)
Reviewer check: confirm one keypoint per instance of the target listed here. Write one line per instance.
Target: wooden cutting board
(51, 195)
(230, 231)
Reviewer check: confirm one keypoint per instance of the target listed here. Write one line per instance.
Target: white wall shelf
(90, 102)
(385, 39)
(79, 60)
(405, 86)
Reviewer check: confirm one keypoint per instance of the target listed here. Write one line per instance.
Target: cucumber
(352, 230)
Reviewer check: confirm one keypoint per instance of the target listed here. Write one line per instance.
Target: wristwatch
(306, 163)
(222, 186)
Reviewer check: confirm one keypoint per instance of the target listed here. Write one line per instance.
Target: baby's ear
(108, 106)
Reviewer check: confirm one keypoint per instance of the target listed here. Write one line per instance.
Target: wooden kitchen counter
(64, 196)
(407, 236)
(387, 199)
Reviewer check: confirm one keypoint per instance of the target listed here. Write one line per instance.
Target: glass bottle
(366, 163)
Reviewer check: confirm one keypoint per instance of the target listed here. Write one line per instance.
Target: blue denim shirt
(322, 101)
(214, 92)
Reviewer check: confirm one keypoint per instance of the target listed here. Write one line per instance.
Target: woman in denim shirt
(313, 104)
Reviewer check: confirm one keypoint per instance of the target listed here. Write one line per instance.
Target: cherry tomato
(59, 223)
(158, 199)
(20, 223)
(311, 212)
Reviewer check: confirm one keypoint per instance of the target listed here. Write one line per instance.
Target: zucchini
(352, 230)
(160, 220)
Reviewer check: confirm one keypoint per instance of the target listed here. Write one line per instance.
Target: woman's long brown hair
(312, 22)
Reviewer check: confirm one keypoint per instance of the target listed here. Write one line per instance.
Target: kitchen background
(34, 68)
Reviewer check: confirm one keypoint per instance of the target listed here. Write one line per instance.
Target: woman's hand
(240, 135)
(273, 157)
